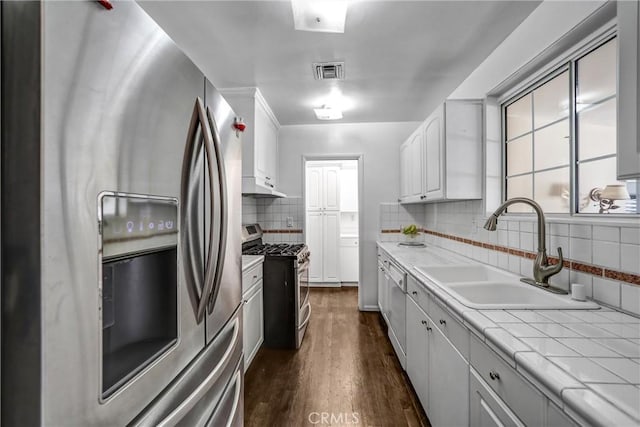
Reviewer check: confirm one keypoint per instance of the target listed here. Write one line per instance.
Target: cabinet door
(628, 132)
(434, 156)
(448, 383)
(415, 159)
(271, 143)
(349, 260)
(262, 136)
(330, 243)
(486, 407)
(418, 351)
(314, 242)
(381, 286)
(253, 323)
(314, 188)
(405, 169)
(331, 191)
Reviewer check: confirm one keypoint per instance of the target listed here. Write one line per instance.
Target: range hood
(252, 187)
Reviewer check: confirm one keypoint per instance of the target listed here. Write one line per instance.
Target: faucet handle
(561, 259)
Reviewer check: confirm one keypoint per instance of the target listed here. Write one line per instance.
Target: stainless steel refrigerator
(121, 258)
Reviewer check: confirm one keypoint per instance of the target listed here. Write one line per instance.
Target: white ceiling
(401, 58)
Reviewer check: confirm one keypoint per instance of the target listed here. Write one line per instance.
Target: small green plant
(410, 230)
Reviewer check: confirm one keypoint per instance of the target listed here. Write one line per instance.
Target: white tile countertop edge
(554, 380)
(249, 261)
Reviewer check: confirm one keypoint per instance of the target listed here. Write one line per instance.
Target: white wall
(379, 144)
(546, 24)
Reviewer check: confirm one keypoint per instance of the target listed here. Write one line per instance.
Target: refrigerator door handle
(212, 267)
(222, 183)
(183, 409)
(189, 190)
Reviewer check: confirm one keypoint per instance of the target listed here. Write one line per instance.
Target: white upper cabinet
(323, 188)
(411, 167)
(628, 89)
(259, 141)
(442, 159)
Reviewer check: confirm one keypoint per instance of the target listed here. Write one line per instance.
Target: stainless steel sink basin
(483, 287)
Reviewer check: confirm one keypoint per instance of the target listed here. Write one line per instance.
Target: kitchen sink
(484, 287)
(465, 273)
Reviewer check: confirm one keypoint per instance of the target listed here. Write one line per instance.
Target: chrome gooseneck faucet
(542, 270)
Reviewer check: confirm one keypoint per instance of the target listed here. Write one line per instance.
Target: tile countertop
(249, 261)
(586, 361)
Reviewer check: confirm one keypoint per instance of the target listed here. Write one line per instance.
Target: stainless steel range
(286, 288)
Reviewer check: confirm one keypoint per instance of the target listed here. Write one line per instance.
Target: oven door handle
(303, 267)
(306, 319)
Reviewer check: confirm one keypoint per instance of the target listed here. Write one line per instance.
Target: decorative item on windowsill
(607, 196)
(411, 233)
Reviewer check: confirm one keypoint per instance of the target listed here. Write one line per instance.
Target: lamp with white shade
(607, 196)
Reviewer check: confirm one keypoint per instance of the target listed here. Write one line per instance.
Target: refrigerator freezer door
(117, 102)
(202, 389)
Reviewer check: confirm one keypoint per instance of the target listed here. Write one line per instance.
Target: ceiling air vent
(328, 70)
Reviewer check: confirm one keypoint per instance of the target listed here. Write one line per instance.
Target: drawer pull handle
(494, 375)
(245, 301)
(424, 322)
(255, 276)
(414, 292)
(443, 322)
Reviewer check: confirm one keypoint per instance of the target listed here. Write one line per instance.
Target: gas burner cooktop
(278, 249)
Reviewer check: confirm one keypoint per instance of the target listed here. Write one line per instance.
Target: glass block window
(568, 172)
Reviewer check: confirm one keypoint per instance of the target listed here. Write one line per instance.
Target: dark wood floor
(345, 371)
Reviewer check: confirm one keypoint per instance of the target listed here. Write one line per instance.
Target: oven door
(303, 308)
(302, 287)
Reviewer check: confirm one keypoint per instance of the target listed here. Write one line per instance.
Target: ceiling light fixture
(327, 16)
(327, 113)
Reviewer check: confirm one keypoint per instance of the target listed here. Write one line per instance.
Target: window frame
(566, 61)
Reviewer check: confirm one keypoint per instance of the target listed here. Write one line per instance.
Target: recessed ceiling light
(326, 16)
(327, 113)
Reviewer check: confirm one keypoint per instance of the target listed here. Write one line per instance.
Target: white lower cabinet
(458, 379)
(252, 315)
(438, 372)
(448, 382)
(418, 351)
(486, 409)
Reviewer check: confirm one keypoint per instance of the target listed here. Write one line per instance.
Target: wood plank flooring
(345, 373)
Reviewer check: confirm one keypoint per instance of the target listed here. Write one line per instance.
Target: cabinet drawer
(450, 327)
(527, 403)
(418, 293)
(251, 277)
(486, 408)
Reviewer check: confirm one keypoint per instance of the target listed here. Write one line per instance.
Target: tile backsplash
(280, 218)
(605, 258)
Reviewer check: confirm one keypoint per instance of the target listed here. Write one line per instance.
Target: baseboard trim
(324, 285)
(370, 308)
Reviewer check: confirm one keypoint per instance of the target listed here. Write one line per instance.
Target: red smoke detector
(239, 125)
(106, 4)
